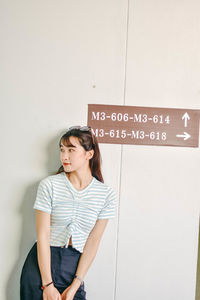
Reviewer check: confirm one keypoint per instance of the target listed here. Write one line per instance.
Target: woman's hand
(51, 293)
(68, 293)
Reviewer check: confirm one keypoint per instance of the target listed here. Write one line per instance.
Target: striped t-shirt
(73, 212)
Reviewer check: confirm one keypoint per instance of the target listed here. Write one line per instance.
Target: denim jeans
(64, 262)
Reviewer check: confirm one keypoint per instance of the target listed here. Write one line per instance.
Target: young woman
(72, 210)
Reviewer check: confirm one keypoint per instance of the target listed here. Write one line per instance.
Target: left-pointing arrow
(186, 136)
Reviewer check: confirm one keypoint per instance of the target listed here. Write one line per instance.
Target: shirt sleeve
(109, 208)
(44, 196)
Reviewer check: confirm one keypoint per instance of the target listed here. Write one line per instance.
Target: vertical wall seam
(197, 292)
(126, 53)
(120, 177)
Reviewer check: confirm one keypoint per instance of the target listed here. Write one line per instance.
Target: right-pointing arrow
(186, 136)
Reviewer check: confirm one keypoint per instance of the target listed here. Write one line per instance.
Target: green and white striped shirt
(74, 212)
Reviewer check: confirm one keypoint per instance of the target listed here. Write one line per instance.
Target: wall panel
(56, 58)
(159, 210)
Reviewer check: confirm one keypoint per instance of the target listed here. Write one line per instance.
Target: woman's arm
(88, 255)
(43, 248)
(44, 254)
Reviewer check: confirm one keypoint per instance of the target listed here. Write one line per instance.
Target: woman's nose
(65, 155)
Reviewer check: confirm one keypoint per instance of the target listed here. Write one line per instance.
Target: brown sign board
(121, 124)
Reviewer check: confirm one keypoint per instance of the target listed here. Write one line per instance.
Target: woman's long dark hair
(88, 141)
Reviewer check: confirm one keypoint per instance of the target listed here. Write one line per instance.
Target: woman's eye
(71, 150)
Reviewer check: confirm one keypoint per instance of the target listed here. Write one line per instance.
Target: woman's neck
(78, 180)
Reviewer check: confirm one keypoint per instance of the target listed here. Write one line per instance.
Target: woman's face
(74, 157)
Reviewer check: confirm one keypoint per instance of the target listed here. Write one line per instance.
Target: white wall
(162, 208)
(56, 57)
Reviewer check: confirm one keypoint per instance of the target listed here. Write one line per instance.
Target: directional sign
(120, 124)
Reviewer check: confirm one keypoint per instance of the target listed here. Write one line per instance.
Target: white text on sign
(120, 124)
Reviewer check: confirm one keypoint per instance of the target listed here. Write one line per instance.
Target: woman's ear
(90, 154)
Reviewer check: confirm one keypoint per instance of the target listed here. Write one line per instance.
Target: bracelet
(46, 285)
(79, 278)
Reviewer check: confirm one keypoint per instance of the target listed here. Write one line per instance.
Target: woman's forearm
(44, 259)
(90, 250)
(43, 245)
(86, 260)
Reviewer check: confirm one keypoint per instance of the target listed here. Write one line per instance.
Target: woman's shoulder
(52, 179)
(103, 186)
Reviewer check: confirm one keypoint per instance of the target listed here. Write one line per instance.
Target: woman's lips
(66, 164)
